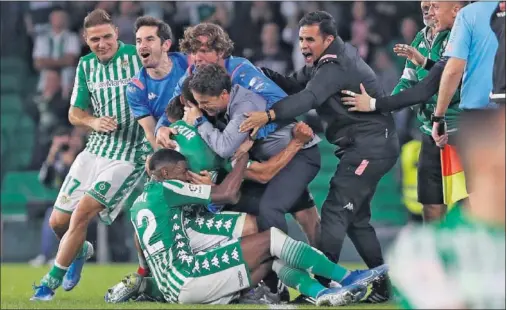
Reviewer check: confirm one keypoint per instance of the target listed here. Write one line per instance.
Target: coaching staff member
(367, 142)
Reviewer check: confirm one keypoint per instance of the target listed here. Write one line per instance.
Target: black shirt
(498, 27)
(420, 92)
(340, 67)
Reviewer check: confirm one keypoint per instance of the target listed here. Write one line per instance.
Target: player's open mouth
(307, 56)
(145, 55)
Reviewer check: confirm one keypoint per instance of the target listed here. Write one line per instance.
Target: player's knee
(87, 209)
(59, 222)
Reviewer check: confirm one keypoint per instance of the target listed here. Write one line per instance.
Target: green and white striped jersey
(104, 86)
(459, 262)
(159, 221)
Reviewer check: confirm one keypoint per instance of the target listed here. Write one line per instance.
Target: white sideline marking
(281, 306)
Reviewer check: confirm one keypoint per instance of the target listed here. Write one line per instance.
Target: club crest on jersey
(124, 64)
(64, 199)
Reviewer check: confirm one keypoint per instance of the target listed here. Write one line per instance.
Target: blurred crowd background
(41, 42)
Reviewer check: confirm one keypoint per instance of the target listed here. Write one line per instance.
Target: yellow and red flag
(453, 176)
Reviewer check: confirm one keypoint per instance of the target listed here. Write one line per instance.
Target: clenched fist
(302, 133)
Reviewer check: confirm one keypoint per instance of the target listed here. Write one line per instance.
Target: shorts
(207, 230)
(108, 181)
(217, 277)
(429, 173)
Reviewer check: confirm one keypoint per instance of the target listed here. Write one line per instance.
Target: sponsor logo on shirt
(107, 84)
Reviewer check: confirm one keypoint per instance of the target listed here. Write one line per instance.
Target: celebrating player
(107, 171)
(152, 88)
(182, 277)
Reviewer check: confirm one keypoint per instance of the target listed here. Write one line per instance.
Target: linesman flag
(453, 176)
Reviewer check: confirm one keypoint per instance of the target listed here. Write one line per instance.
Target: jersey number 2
(148, 232)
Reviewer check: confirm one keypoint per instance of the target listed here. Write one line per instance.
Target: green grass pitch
(17, 280)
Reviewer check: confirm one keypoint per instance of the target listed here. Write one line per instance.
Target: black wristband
(269, 116)
(437, 119)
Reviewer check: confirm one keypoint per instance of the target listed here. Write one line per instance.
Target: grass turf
(17, 280)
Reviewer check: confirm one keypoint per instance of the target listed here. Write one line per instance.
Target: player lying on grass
(218, 275)
(201, 159)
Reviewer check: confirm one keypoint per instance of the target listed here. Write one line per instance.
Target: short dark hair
(174, 110)
(210, 80)
(326, 22)
(186, 92)
(97, 17)
(218, 39)
(164, 31)
(164, 157)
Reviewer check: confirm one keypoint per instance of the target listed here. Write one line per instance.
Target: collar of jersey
(120, 47)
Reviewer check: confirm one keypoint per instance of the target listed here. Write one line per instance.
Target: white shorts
(206, 230)
(220, 283)
(108, 181)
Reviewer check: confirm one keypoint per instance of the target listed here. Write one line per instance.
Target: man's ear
(166, 45)
(329, 40)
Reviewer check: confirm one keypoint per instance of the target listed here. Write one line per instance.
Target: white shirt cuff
(373, 101)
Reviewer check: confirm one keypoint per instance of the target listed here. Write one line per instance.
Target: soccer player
(218, 275)
(108, 170)
(430, 190)
(208, 43)
(152, 88)
(460, 262)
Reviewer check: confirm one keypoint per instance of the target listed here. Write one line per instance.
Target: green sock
(302, 256)
(297, 279)
(54, 278)
(150, 289)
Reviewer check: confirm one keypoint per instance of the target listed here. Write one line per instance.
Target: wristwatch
(201, 119)
(437, 119)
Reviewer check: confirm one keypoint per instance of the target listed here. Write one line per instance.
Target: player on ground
(460, 263)
(152, 88)
(218, 275)
(107, 171)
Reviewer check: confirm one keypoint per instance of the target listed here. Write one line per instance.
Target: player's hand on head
(203, 178)
(302, 133)
(409, 52)
(243, 148)
(357, 102)
(104, 124)
(163, 138)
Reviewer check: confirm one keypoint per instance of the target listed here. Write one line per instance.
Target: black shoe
(302, 300)
(380, 292)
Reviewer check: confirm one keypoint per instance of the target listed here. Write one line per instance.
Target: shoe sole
(335, 300)
(47, 298)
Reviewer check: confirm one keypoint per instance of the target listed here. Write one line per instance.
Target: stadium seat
(13, 65)
(11, 103)
(13, 204)
(27, 183)
(10, 84)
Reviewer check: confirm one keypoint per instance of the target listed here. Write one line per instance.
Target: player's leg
(306, 214)
(429, 181)
(286, 187)
(114, 182)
